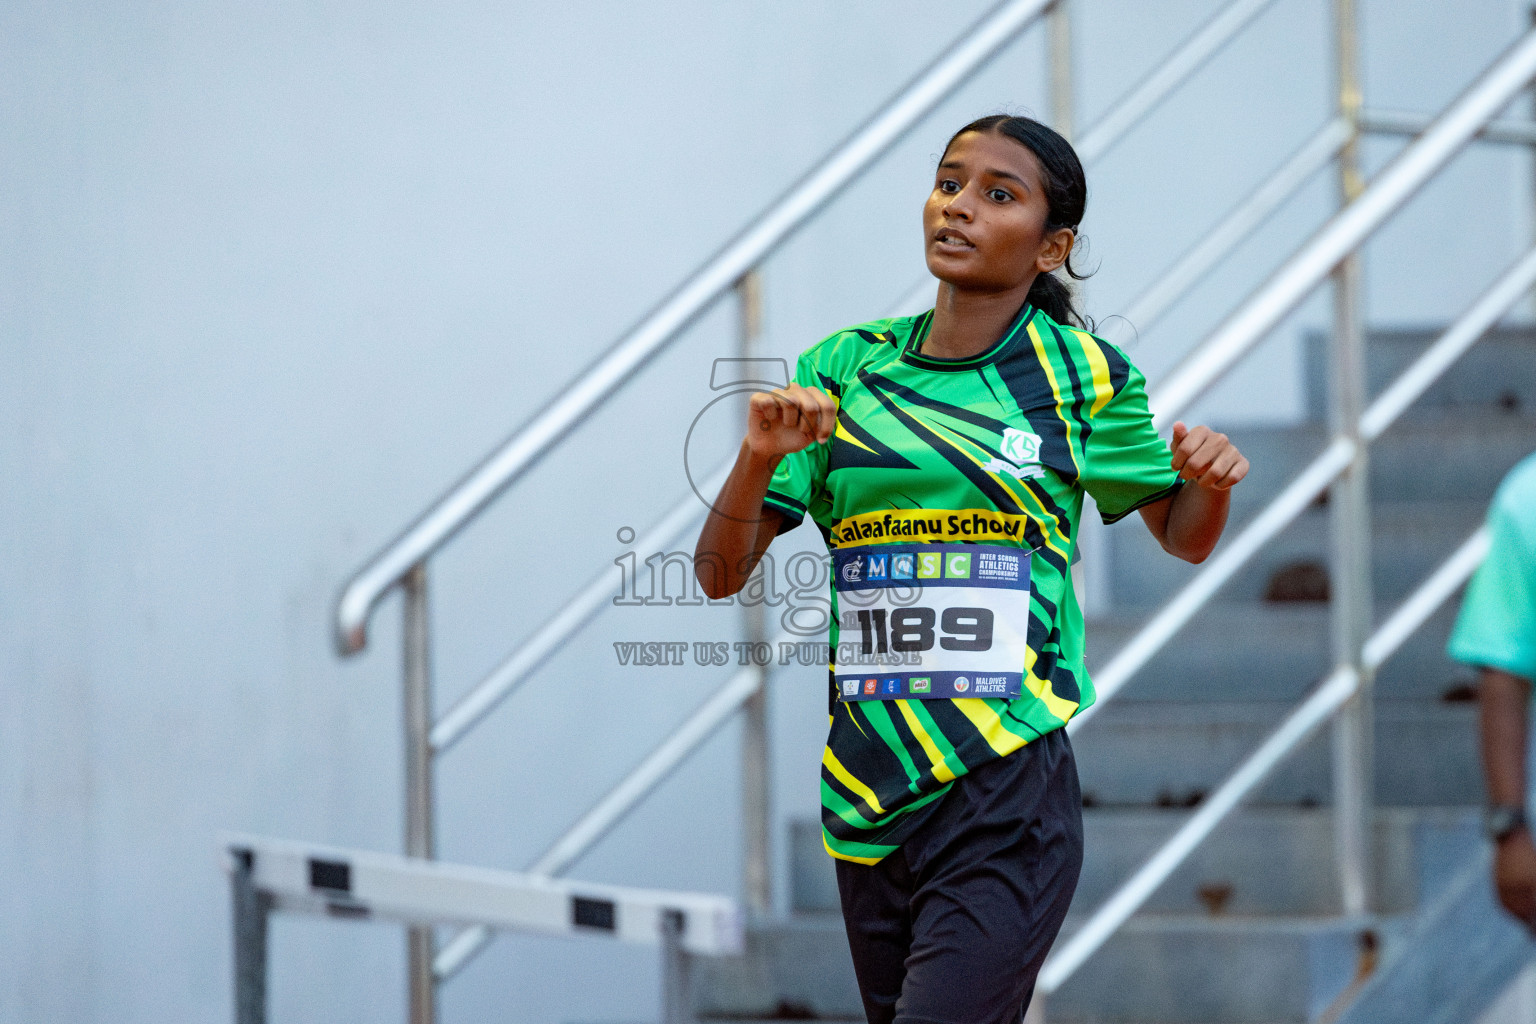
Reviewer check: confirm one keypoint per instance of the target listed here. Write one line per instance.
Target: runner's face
(984, 222)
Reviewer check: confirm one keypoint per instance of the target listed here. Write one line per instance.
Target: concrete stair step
(1401, 459)
(1264, 860)
(1254, 959)
(1261, 861)
(1166, 753)
(1408, 541)
(1173, 968)
(800, 964)
(1499, 371)
(1198, 970)
(1263, 651)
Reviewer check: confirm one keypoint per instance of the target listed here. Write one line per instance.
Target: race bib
(927, 621)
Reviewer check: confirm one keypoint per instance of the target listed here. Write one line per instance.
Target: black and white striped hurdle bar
(284, 875)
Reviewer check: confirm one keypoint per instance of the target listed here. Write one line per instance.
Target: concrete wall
(275, 275)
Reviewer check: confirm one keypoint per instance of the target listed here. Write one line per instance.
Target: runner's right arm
(740, 527)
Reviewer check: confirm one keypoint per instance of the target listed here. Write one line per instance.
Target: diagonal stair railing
(1392, 188)
(1440, 140)
(403, 563)
(1344, 682)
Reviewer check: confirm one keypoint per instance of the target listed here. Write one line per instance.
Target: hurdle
(280, 875)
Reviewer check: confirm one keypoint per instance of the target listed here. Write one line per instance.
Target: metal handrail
(1187, 58)
(1483, 313)
(1312, 481)
(1142, 98)
(1399, 181)
(622, 798)
(502, 680)
(1158, 297)
(1344, 682)
(1387, 121)
(1143, 311)
(691, 299)
(1194, 595)
(1124, 114)
(1322, 704)
(1402, 178)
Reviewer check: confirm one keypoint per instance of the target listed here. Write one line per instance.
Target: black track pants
(953, 926)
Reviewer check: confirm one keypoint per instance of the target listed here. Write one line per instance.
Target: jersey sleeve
(1125, 463)
(1497, 624)
(799, 484)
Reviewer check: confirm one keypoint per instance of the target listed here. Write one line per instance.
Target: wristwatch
(1500, 820)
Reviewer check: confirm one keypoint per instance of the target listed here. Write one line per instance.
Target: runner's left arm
(740, 526)
(1189, 522)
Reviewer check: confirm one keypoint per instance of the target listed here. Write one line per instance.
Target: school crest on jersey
(1021, 455)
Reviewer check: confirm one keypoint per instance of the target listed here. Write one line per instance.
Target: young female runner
(944, 457)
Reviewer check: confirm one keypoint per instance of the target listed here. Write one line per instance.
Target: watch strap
(1500, 820)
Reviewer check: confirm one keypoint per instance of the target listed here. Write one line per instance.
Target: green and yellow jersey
(996, 449)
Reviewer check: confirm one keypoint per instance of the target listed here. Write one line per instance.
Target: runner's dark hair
(1066, 196)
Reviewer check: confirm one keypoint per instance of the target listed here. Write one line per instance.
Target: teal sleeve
(1126, 465)
(1497, 624)
(799, 484)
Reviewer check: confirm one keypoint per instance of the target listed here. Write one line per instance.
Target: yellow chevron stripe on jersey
(844, 776)
(1041, 688)
(941, 770)
(842, 434)
(1047, 520)
(1058, 706)
(1062, 400)
(826, 844)
(1103, 389)
(990, 725)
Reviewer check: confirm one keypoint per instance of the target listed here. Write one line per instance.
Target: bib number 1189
(912, 630)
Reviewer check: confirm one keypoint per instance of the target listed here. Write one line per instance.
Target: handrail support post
(417, 656)
(1531, 21)
(756, 784)
(1059, 20)
(676, 972)
(1349, 513)
(250, 909)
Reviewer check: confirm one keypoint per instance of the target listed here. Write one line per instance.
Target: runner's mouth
(953, 238)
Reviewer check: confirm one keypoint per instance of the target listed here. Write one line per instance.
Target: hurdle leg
(251, 908)
(676, 991)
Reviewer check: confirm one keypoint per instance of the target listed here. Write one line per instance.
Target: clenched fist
(1206, 458)
(789, 419)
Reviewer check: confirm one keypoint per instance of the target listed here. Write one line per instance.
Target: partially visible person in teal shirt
(1496, 633)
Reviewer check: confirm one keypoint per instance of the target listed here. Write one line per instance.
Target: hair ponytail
(1066, 196)
(1052, 296)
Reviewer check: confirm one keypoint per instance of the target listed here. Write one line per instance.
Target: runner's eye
(949, 186)
(999, 195)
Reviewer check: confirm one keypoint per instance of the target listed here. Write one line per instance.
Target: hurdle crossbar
(270, 875)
